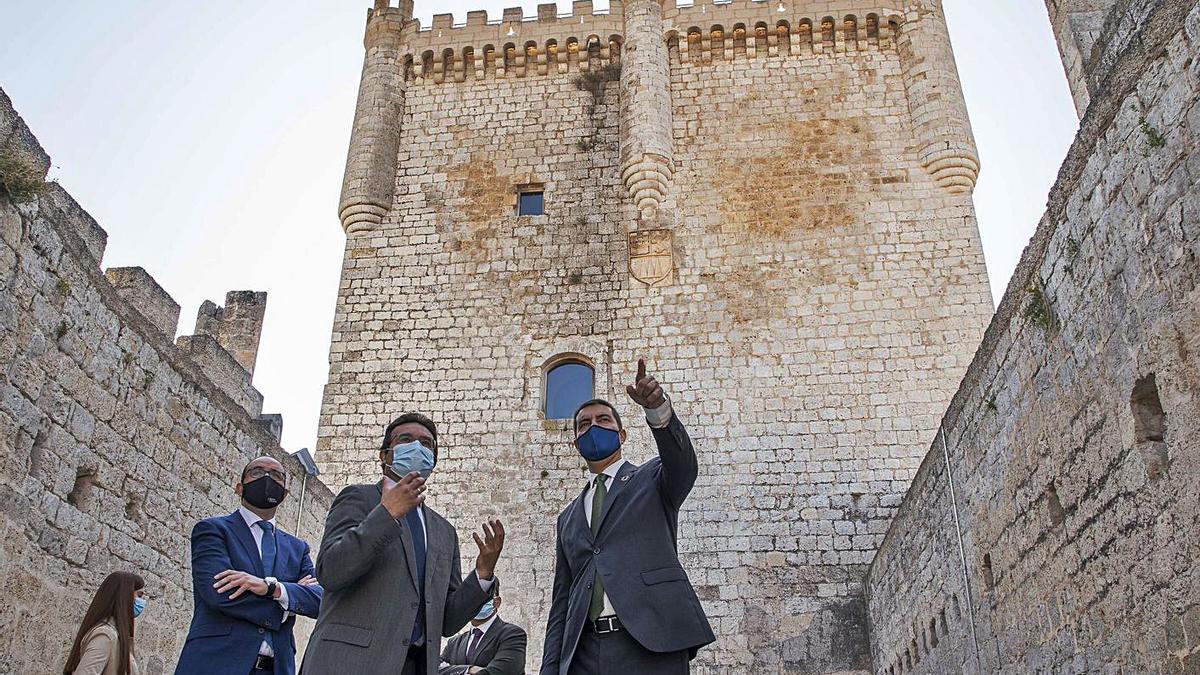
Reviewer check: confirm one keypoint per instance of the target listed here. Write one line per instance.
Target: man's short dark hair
(596, 401)
(408, 418)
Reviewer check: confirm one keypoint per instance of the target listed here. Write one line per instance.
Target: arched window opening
(569, 382)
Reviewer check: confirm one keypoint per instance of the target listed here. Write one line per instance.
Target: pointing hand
(645, 391)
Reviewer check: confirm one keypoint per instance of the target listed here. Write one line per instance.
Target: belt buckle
(262, 662)
(606, 624)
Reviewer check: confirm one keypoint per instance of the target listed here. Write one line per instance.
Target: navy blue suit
(225, 634)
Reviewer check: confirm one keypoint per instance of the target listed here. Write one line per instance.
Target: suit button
(261, 630)
(596, 551)
(415, 605)
(404, 643)
(589, 586)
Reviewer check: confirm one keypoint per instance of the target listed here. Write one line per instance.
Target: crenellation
(496, 55)
(237, 326)
(145, 295)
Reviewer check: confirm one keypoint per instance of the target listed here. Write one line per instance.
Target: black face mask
(263, 493)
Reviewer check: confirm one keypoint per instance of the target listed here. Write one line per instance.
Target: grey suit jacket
(635, 554)
(500, 652)
(368, 570)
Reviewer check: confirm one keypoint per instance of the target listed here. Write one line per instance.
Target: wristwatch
(272, 582)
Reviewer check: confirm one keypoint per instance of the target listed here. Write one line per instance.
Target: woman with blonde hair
(104, 643)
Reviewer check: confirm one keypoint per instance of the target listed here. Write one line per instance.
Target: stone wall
(826, 289)
(113, 441)
(1077, 25)
(1052, 525)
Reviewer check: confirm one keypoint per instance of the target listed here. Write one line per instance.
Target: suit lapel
(407, 541)
(488, 638)
(242, 531)
(577, 519)
(433, 547)
(618, 484)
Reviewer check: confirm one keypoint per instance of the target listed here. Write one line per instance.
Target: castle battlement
(516, 45)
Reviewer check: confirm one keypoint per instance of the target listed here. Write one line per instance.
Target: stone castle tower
(769, 201)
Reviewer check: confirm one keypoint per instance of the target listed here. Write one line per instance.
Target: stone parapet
(145, 295)
(237, 326)
(1051, 525)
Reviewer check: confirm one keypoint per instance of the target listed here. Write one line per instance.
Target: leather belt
(606, 624)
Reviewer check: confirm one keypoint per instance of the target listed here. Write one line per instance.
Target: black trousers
(618, 653)
(414, 663)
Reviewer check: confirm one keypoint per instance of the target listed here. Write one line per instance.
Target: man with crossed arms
(621, 602)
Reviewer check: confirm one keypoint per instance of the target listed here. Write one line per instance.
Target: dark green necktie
(598, 495)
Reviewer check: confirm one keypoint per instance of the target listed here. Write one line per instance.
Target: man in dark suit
(249, 581)
(390, 567)
(621, 601)
(492, 646)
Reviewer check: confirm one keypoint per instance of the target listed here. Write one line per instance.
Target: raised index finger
(641, 374)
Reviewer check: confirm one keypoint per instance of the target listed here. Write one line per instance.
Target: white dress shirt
(483, 629)
(252, 520)
(657, 418)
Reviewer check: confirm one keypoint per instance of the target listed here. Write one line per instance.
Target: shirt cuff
(659, 417)
(486, 584)
(283, 597)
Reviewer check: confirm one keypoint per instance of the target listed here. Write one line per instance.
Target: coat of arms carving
(650, 260)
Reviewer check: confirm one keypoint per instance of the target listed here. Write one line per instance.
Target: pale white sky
(208, 138)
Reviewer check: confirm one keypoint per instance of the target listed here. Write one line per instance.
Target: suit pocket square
(351, 635)
(658, 576)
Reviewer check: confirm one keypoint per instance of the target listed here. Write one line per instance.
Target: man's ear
(237, 487)
(496, 602)
(621, 435)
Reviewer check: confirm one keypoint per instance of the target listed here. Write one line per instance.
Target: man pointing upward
(621, 601)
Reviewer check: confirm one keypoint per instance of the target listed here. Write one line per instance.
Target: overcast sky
(208, 138)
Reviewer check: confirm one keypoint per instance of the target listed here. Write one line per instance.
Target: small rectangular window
(530, 203)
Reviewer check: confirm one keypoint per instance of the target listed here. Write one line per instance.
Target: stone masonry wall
(1052, 525)
(113, 441)
(826, 296)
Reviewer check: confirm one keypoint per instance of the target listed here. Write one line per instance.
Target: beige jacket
(101, 652)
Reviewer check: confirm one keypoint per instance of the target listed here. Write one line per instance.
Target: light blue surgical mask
(412, 456)
(139, 605)
(487, 610)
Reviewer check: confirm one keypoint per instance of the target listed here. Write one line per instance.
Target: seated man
(491, 647)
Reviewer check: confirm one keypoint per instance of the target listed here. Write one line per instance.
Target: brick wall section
(113, 442)
(827, 295)
(1075, 499)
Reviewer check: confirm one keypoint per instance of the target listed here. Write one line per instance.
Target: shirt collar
(251, 517)
(483, 627)
(611, 470)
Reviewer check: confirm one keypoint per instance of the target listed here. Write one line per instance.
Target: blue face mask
(412, 456)
(487, 610)
(139, 605)
(597, 443)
